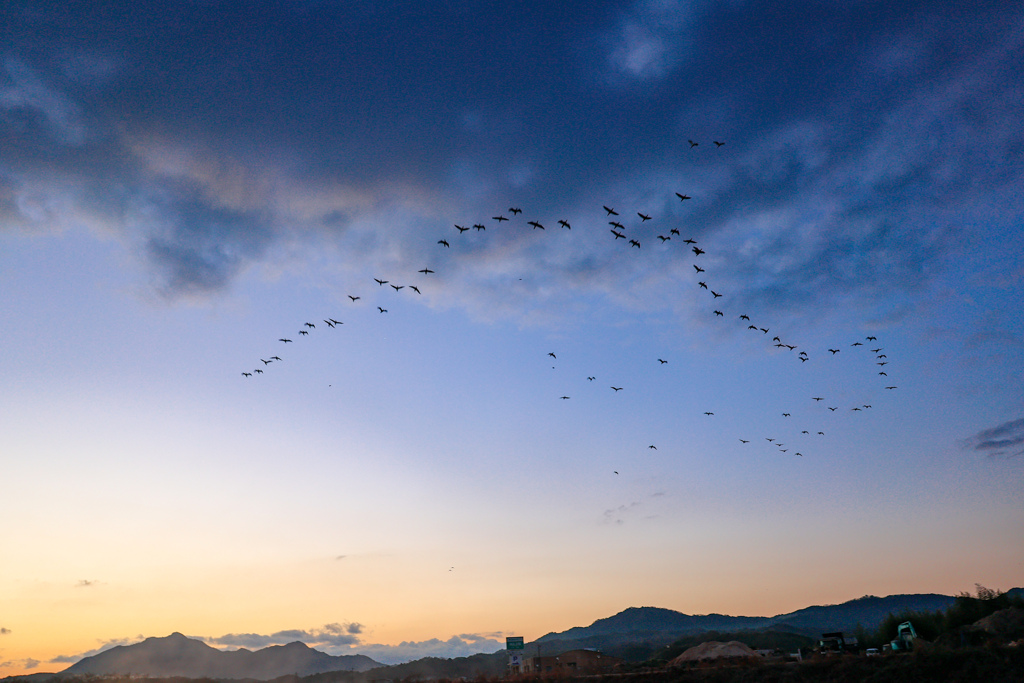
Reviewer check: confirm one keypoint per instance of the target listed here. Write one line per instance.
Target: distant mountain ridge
(634, 634)
(178, 655)
(659, 626)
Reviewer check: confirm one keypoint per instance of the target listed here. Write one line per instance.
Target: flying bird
(833, 351)
(742, 317)
(618, 234)
(717, 143)
(701, 270)
(716, 294)
(703, 284)
(380, 282)
(329, 324)
(425, 271)
(286, 341)
(415, 289)
(513, 210)
(382, 310)
(611, 212)
(461, 229)
(653, 446)
(336, 322)
(565, 224)
(397, 287)
(303, 332)
(871, 338)
(247, 374)
(817, 398)
(564, 398)
(693, 144)
(708, 413)
(354, 298)
(275, 358)
(643, 217)
(591, 378)
(689, 241)
(635, 243)
(744, 440)
(674, 231)
(682, 197)
(535, 225)
(617, 388)
(553, 355)
(662, 361)
(258, 371)
(618, 225)
(499, 218)
(444, 243)
(719, 313)
(267, 362)
(698, 251)
(663, 238)
(478, 227)
(310, 325)
(892, 387)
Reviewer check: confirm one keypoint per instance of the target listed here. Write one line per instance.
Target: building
(571, 662)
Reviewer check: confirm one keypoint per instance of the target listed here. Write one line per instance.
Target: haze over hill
(632, 633)
(178, 655)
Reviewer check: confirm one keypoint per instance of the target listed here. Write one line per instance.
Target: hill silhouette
(178, 655)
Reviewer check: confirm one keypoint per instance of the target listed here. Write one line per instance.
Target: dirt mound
(715, 650)
(1006, 623)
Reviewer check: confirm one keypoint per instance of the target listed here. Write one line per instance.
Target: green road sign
(514, 643)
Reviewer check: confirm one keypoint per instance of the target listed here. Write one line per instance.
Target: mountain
(637, 629)
(177, 655)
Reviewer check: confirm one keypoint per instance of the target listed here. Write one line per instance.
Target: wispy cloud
(104, 646)
(4, 631)
(328, 637)
(1002, 441)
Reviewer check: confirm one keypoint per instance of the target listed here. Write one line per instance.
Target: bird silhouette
(698, 251)
(444, 243)
(703, 284)
(397, 287)
(425, 271)
(683, 197)
(382, 310)
(618, 234)
(553, 355)
(499, 218)
(513, 210)
(701, 270)
(663, 238)
(611, 212)
(635, 243)
(617, 388)
(354, 298)
(716, 294)
(565, 224)
(311, 325)
(535, 225)
(461, 229)
(415, 289)
(662, 361)
(693, 144)
(304, 332)
(286, 341)
(380, 282)
(643, 217)
(247, 374)
(719, 313)
(717, 143)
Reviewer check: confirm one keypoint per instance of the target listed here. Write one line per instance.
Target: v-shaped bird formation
(809, 436)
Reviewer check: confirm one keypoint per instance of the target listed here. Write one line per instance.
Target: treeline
(949, 626)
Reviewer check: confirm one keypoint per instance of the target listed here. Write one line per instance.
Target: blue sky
(182, 185)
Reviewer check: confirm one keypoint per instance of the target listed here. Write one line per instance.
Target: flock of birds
(616, 221)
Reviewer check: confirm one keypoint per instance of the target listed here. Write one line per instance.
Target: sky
(183, 185)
